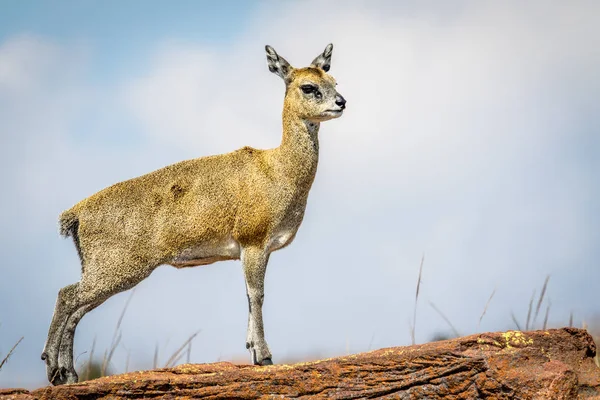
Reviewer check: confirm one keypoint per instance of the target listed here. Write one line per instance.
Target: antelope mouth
(330, 114)
(333, 113)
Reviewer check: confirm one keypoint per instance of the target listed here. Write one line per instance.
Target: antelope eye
(308, 88)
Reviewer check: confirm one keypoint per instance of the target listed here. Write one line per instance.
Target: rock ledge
(552, 364)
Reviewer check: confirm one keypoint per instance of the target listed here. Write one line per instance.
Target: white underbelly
(226, 249)
(207, 253)
(281, 239)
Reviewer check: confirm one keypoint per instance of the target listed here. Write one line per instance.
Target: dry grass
(117, 334)
(176, 356)
(571, 320)
(529, 322)
(541, 299)
(512, 315)
(546, 316)
(185, 348)
(87, 375)
(487, 304)
(5, 359)
(529, 311)
(414, 321)
(96, 369)
(454, 330)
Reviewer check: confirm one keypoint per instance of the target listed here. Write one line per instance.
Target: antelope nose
(340, 101)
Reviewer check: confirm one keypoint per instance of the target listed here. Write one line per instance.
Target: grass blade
(546, 317)
(529, 311)
(456, 334)
(486, 307)
(155, 362)
(512, 315)
(116, 336)
(127, 361)
(414, 323)
(179, 352)
(571, 320)
(109, 354)
(10, 352)
(189, 353)
(89, 363)
(371, 341)
(120, 320)
(541, 299)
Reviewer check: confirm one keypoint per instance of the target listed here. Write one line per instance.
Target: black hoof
(266, 361)
(58, 376)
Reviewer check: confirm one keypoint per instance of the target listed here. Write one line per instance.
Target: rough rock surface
(552, 364)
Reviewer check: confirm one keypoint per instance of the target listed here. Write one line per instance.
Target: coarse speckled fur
(243, 204)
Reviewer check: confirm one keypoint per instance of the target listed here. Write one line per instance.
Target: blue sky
(471, 136)
(119, 34)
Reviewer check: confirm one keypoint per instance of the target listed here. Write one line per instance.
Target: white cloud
(464, 139)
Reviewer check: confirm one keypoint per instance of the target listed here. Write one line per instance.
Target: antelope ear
(277, 64)
(323, 60)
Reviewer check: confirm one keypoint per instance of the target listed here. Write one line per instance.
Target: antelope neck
(299, 149)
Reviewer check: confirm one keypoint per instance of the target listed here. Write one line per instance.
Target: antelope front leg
(255, 262)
